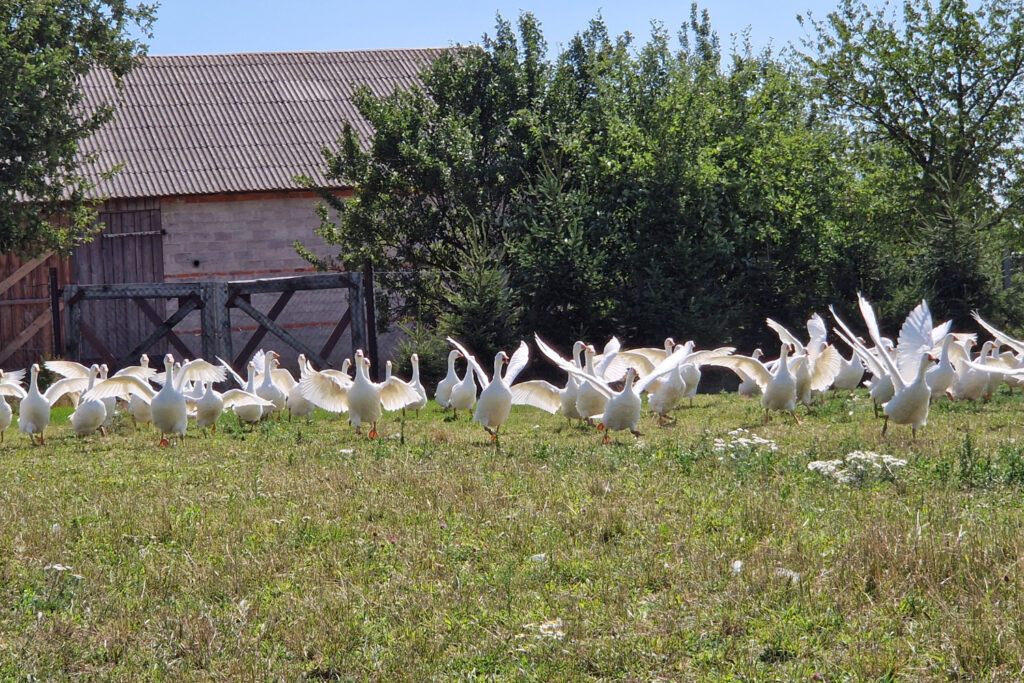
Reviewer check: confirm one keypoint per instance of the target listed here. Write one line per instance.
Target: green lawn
(301, 550)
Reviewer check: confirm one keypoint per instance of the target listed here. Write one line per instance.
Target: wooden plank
(21, 272)
(257, 336)
(294, 283)
(155, 317)
(90, 336)
(336, 333)
(26, 334)
(148, 290)
(165, 328)
(283, 334)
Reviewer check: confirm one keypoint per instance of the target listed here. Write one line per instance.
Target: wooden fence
(213, 301)
(26, 334)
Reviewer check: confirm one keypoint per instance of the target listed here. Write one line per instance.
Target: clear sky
(216, 26)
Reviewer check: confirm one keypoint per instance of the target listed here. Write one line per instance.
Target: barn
(209, 148)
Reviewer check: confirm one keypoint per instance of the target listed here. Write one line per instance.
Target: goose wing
(826, 367)
(537, 393)
(199, 370)
(14, 376)
(234, 375)
(518, 361)
(240, 397)
(396, 393)
(1003, 338)
(67, 368)
(784, 335)
(65, 386)
(471, 360)
(570, 367)
(749, 367)
(915, 338)
(12, 389)
(868, 313)
(326, 391)
(121, 387)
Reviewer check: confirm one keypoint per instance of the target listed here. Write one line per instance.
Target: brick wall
(250, 237)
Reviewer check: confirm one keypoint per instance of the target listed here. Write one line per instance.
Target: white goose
(268, 389)
(34, 412)
(364, 397)
(421, 402)
(591, 399)
(463, 396)
(820, 363)
(297, 404)
(912, 396)
(8, 387)
(443, 392)
(91, 413)
(850, 374)
(622, 408)
(169, 405)
(880, 386)
(546, 396)
(495, 402)
(778, 387)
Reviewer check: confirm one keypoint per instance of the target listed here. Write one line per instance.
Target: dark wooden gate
(213, 301)
(128, 250)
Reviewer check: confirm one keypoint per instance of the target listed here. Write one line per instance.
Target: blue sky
(216, 26)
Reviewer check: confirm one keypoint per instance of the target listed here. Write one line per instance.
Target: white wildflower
(859, 467)
(736, 567)
(741, 444)
(787, 574)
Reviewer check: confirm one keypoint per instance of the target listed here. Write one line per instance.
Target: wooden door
(128, 250)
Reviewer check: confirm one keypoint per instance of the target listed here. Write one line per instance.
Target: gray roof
(208, 124)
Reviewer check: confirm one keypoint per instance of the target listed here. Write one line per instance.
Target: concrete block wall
(251, 237)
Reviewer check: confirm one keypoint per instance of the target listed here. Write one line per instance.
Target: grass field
(302, 551)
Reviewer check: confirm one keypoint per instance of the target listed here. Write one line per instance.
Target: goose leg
(886, 425)
(795, 418)
(373, 430)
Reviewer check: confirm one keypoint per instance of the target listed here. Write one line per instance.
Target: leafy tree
(640, 192)
(46, 46)
(935, 97)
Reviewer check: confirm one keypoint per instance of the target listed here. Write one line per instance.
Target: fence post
(73, 310)
(221, 316)
(371, 321)
(55, 327)
(357, 309)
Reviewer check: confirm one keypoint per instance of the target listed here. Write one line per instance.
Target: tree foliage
(659, 189)
(941, 88)
(46, 46)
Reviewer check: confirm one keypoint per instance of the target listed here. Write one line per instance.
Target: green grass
(302, 551)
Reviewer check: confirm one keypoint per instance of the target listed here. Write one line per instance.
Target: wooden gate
(129, 250)
(213, 301)
(25, 314)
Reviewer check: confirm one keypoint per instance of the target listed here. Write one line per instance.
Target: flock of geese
(926, 362)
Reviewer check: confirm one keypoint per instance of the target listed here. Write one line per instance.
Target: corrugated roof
(208, 124)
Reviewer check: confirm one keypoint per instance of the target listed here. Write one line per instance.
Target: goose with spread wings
(622, 408)
(495, 402)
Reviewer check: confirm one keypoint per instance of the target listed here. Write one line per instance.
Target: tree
(935, 98)
(640, 191)
(46, 46)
